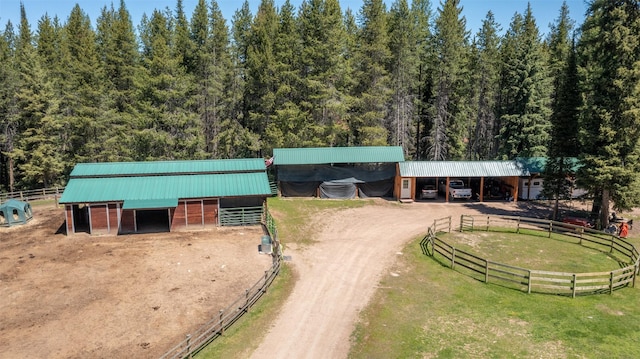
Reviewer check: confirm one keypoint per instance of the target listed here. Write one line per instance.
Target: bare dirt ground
(338, 273)
(116, 296)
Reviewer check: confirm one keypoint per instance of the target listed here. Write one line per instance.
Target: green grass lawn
(431, 311)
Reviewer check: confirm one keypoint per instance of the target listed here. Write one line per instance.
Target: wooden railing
(534, 280)
(214, 328)
(33, 194)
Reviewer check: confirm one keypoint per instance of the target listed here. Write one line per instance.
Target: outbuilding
(336, 172)
(486, 179)
(134, 197)
(13, 212)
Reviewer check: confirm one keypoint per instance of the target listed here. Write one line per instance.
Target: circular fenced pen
(534, 255)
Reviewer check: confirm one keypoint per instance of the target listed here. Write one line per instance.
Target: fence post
(189, 346)
(550, 228)
(221, 322)
(635, 270)
(573, 284)
(611, 282)
(487, 230)
(453, 257)
(486, 271)
(529, 283)
(449, 224)
(518, 225)
(461, 222)
(265, 286)
(613, 238)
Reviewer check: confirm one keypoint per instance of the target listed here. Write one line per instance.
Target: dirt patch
(116, 296)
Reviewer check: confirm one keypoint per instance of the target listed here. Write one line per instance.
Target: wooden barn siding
(210, 211)
(98, 218)
(194, 213)
(114, 217)
(68, 211)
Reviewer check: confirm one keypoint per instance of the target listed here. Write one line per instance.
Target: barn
(487, 179)
(136, 197)
(336, 172)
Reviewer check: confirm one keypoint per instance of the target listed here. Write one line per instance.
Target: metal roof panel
(461, 169)
(326, 155)
(85, 190)
(114, 169)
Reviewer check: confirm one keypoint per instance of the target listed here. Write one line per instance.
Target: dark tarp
(376, 189)
(299, 189)
(328, 173)
(341, 190)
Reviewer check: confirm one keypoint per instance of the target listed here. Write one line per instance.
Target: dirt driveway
(338, 274)
(116, 296)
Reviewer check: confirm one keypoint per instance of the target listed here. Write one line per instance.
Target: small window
(405, 184)
(536, 183)
(526, 183)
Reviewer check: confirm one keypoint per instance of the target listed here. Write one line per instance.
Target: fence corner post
(189, 354)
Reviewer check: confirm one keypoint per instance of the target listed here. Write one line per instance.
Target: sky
(544, 11)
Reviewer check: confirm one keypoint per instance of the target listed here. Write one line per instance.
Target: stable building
(136, 197)
(337, 172)
(497, 180)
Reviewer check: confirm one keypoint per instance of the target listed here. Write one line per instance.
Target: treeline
(199, 86)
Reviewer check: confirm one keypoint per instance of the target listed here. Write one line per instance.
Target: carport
(487, 179)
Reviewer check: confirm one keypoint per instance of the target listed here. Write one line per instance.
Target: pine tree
(421, 16)
(261, 87)
(486, 82)
(170, 130)
(525, 83)
(450, 94)
(609, 68)
(563, 145)
(404, 75)
(36, 150)
(372, 90)
(118, 49)
(9, 81)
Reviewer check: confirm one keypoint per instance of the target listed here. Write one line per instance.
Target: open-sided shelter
(13, 212)
(336, 172)
(487, 179)
(130, 197)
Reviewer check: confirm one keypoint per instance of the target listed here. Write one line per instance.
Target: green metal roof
(538, 164)
(85, 190)
(325, 155)
(115, 169)
(461, 169)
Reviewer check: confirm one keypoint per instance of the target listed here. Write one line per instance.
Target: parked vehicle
(456, 189)
(429, 192)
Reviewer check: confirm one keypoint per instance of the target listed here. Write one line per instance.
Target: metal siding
(324, 155)
(461, 169)
(86, 190)
(167, 167)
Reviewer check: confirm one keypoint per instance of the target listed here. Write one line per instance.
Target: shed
(336, 172)
(13, 212)
(487, 179)
(531, 185)
(132, 197)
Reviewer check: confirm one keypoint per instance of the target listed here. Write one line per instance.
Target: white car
(429, 192)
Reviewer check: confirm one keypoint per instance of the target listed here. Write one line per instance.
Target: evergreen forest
(198, 86)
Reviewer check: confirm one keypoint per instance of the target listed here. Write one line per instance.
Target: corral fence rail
(240, 216)
(532, 280)
(33, 194)
(214, 328)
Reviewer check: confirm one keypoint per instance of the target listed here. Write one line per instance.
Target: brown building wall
(98, 218)
(194, 213)
(178, 216)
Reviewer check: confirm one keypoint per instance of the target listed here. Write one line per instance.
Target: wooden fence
(532, 280)
(33, 194)
(214, 328)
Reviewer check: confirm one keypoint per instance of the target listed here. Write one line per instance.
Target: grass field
(426, 310)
